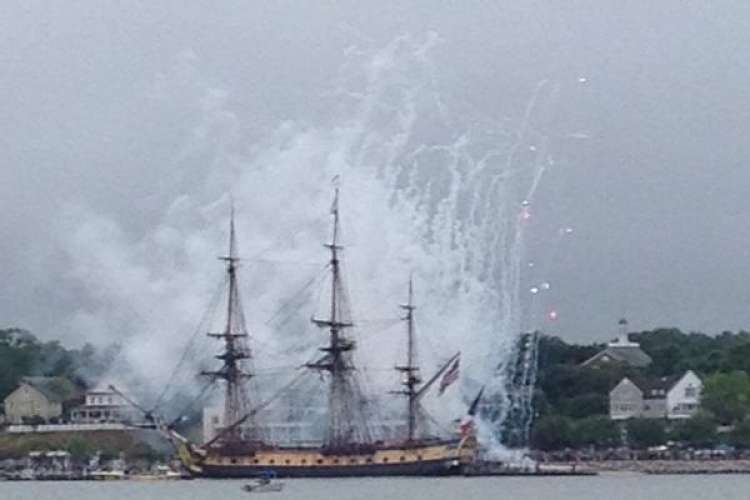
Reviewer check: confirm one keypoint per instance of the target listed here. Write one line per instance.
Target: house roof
(104, 387)
(655, 387)
(55, 389)
(631, 355)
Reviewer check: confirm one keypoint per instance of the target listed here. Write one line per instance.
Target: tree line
(22, 355)
(572, 401)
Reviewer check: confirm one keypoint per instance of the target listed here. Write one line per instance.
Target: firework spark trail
(421, 193)
(458, 238)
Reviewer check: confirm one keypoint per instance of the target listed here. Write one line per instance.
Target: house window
(690, 392)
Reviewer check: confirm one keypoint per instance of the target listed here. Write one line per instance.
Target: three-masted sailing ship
(348, 448)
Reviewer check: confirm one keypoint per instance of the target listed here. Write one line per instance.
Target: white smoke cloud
(425, 190)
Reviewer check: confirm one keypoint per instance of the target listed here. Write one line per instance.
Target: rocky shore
(709, 466)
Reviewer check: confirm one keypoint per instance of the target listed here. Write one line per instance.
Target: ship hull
(427, 468)
(433, 459)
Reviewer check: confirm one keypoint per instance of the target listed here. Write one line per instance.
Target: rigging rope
(256, 409)
(200, 396)
(297, 295)
(213, 304)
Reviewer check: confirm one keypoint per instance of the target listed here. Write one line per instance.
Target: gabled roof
(55, 389)
(631, 355)
(654, 387)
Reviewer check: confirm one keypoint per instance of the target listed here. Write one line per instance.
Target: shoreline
(664, 467)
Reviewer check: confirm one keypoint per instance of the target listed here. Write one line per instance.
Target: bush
(740, 435)
(599, 432)
(698, 431)
(552, 433)
(80, 449)
(585, 405)
(643, 432)
(35, 420)
(143, 451)
(727, 395)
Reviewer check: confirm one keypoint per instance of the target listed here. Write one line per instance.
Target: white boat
(263, 485)
(159, 473)
(108, 475)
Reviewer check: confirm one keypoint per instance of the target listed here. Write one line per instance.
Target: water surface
(608, 486)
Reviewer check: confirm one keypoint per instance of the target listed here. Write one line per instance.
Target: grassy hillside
(82, 445)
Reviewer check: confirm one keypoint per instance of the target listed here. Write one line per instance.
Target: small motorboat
(264, 484)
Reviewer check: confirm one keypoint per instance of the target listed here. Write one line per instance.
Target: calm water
(607, 487)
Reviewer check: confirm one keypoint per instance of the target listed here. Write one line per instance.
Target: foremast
(414, 388)
(347, 425)
(236, 399)
(410, 370)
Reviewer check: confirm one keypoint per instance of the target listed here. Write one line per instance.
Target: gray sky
(117, 110)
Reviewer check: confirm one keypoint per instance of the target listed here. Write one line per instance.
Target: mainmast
(234, 336)
(410, 370)
(347, 426)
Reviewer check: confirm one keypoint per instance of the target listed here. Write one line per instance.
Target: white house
(666, 397)
(683, 399)
(625, 400)
(104, 405)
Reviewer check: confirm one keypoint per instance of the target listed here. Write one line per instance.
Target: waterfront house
(103, 405)
(666, 397)
(39, 398)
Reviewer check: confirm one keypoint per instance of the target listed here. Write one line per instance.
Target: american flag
(450, 376)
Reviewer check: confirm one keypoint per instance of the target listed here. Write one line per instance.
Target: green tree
(738, 359)
(597, 431)
(80, 449)
(584, 405)
(580, 391)
(698, 431)
(552, 433)
(555, 351)
(645, 432)
(143, 451)
(19, 354)
(740, 435)
(727, 396)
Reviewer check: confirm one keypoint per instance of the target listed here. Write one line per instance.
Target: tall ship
(348, 447)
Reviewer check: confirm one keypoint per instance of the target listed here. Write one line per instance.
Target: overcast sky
(647, 117)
